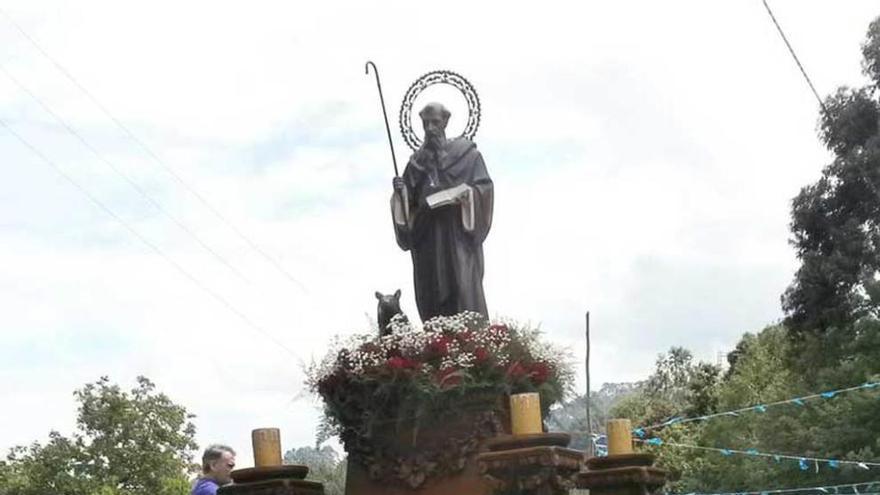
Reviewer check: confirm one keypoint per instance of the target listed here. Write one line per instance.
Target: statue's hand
(398, 184)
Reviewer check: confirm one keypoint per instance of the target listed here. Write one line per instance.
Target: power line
(97, 202)
(860, 166)
(127, 179)
(796, 60)
(254, 246)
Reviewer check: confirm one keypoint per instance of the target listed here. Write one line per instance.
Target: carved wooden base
(532, 470)
(469, 481)
(631, 474)
(274, 487)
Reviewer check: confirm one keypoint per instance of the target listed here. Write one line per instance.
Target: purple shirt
(205, 486)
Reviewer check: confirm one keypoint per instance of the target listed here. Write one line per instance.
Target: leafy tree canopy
(135, 442)
(325, 466)
(836, 220)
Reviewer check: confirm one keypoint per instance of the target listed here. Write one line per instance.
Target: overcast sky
(644, 156)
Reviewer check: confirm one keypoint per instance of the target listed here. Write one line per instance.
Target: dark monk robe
(446, 241)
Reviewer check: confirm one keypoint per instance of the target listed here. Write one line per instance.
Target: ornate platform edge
(538, 469)
(274, 487)
(561, 457)
(643, 475)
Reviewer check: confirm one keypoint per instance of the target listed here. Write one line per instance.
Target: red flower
(516, 370)
(439, 347)
(400, 363)
(481, 354)
(539, 372)
(396, 363)
(466, 336)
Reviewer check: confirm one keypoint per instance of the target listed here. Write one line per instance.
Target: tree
(325, 466)
(126, 443)
(836, 221)
(56, 467)
(571, 416)
(678, 387)
(830, 339)
(762, 371)
(842, 427)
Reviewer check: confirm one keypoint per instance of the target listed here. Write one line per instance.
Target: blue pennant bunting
(752, 451)
(798, 401)
(828, 395)
(803, 464)
(833, 464)
(654, 441)
(639, 432)
(726, 452)
(761, 408)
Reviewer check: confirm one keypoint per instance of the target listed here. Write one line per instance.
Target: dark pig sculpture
(389, 306)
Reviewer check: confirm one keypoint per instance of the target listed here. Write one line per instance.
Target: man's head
(217, 462)
(434, 119)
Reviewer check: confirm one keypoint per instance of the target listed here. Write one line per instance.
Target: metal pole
(384, 114)
(590, 450)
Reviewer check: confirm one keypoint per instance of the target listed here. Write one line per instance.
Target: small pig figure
(388, 307)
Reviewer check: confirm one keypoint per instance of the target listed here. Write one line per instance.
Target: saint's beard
(434, 141)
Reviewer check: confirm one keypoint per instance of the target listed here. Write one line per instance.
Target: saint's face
(435, 128)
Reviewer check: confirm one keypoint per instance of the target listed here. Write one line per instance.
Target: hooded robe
(446, 242)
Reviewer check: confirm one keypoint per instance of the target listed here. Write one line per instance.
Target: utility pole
(590, 449)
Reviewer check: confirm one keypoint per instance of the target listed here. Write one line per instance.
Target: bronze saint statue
(442, 212)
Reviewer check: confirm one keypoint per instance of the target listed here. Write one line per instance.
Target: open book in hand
(447, 196)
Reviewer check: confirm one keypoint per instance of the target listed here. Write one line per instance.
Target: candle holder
(537, 464)
(269, 476)
(622, 472)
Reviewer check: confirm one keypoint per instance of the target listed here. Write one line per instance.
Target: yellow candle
(525, 414)
(267, 446)
(619, 436)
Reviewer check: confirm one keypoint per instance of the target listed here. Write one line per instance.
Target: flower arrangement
(417, 379)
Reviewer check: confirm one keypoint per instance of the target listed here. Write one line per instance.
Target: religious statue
(442, 212)
(441, 207)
